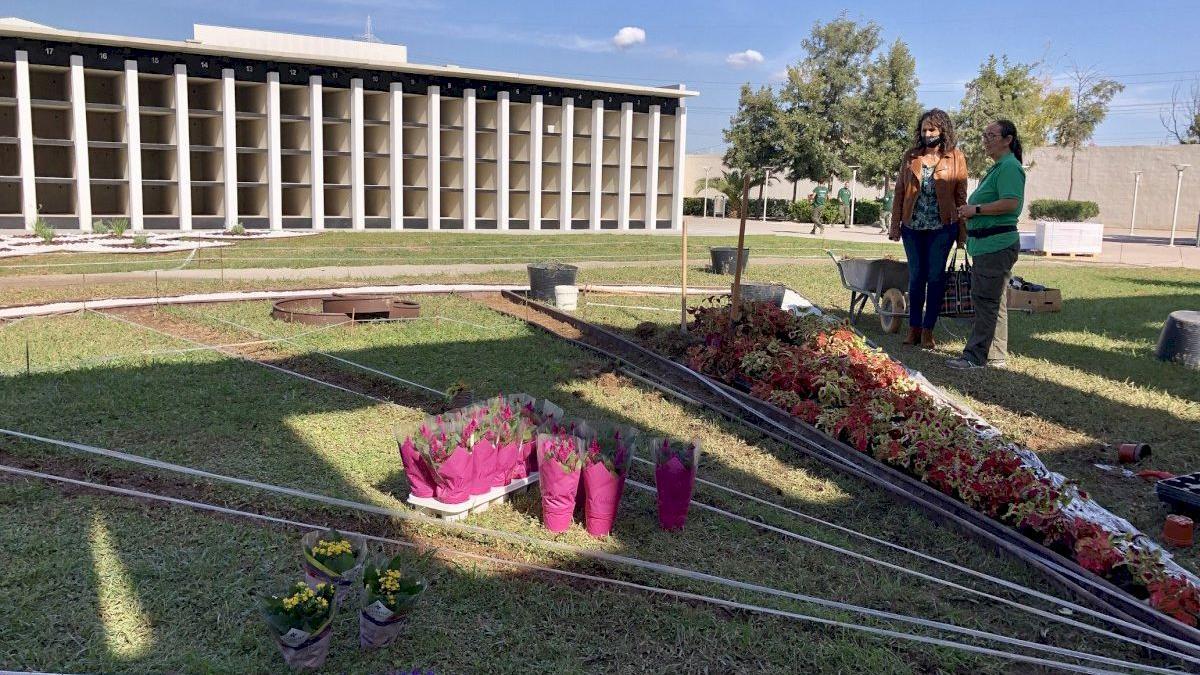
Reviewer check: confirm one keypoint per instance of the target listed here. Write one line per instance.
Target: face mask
(930, 142)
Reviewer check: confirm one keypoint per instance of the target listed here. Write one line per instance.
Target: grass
(140, 606)
(409, 248)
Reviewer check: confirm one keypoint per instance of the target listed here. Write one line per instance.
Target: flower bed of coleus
(827, 375)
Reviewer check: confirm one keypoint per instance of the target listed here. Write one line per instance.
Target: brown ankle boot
(914, 336)
(927, 339)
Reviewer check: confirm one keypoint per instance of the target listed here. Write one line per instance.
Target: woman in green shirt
(992, 240)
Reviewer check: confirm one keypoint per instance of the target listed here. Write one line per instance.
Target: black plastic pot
(1180, 339)
(771, 293)
(543, 277)
(723, 256)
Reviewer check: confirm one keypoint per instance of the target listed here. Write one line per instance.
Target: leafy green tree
(755, 137)
(885, 115)
(820, 98)
(1007, 90)
(1090, 97)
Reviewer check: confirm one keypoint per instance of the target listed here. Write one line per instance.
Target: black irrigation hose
(814, 443)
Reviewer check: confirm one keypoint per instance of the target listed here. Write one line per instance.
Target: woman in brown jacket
(932, 184)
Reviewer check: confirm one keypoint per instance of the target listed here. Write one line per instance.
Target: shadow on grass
(238, 419)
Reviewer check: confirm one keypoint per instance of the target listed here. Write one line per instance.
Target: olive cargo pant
(989, 294)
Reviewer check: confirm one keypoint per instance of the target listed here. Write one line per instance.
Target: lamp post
(766, 180)
(853, 181)
(1137, 182)
(704, 211)
(1179, 169)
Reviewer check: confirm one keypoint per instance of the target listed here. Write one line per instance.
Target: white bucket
(566, 297)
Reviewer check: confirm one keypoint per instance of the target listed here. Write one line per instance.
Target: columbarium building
(272, 130)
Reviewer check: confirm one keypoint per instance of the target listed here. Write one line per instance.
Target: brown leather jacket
(949, 182)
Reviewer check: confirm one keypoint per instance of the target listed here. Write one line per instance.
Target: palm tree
(729, 183)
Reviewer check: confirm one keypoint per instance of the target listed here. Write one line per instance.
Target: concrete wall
(1102, 175)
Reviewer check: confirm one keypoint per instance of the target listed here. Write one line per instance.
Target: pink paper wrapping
(675, 483)
(558, 496)
(420, 476)
(483, 457)
(603, 493)
(455, 476)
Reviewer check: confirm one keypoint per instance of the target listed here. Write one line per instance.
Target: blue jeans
(927, 251)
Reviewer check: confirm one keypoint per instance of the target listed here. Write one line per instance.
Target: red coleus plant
(1175, 596)
(833, 379)
(1094, 550)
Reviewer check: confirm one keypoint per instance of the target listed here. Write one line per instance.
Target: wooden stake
(737, 261)
(683, 282)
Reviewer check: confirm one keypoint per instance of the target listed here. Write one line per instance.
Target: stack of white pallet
(1053, 238)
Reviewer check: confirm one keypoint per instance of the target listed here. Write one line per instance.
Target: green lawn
(331, 249)
(138, 604)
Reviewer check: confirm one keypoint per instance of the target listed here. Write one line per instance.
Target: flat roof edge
(192, 47)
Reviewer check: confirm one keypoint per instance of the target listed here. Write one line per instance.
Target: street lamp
(1179, 169)
(853, 181)
(704, 213)
(766, 180)
(1137, 181)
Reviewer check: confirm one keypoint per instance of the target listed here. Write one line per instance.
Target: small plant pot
(543, 277)
(309, 654)
(1178, 531)
(1128, 453)
(723, 259)
(374, 633)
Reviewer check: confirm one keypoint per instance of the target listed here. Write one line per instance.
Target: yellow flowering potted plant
(389, 594)
(302, 623)
(333, 557)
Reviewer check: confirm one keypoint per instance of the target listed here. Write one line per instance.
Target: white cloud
(628, 37)
(744, 58)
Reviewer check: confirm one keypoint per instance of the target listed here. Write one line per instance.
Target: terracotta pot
(1177, 531)
(1128, 453)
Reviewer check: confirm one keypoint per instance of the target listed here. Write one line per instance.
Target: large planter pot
(723, 259)
(769, 293)
(1060, 237)
(543, 277)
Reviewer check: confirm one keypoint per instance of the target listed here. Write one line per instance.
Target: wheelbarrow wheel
(892, 309)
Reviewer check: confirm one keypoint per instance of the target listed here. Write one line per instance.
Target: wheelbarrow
(882, 281)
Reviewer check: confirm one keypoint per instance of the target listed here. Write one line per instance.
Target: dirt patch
(506, 306)
(609, 383)
(314, 366)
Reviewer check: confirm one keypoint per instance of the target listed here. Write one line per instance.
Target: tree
(1182, 120)
(1013, 91)
(885, 115)
(1089, 106)
(755, 136)
(756, 146)
(820, 98)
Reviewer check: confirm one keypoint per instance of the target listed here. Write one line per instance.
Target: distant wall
(1102, 175)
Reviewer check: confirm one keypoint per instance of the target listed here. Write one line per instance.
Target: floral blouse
(925, 215)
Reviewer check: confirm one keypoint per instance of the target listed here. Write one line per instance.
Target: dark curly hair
(941, 120)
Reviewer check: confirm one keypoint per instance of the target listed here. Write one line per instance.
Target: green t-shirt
(1004, 180)
(819, 194)
(888, 198)
(844, 196)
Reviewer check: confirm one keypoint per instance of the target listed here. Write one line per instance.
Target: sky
(714, 47)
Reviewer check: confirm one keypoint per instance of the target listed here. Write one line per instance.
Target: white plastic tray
(476, 504)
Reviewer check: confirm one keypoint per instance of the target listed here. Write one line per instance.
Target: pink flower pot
(675, 483)
(455, 477)
(420, 476)
(531, 458)
(483, 457)
(507, 457)
(602, 496)
(558, 495)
